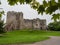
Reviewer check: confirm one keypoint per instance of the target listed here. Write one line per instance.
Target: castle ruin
(15, 21)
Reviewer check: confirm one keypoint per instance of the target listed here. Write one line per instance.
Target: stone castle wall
(16, 21)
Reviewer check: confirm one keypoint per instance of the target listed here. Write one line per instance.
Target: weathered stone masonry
(16, 21)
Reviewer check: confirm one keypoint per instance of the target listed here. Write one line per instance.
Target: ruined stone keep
(15, 21)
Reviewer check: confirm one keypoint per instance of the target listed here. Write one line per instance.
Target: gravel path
(52, 41)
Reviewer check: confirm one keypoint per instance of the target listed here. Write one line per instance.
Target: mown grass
(25, 36)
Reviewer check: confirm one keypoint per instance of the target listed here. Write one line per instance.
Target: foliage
(49, 7)
(55, 26)
(56, 16)
(1, 13)
(1, 27)
(1, 22)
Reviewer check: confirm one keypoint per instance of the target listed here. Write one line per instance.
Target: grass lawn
(26, 36)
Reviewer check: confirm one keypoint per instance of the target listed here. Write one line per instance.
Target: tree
(1, 22)
(49, 7)
(55, 26)
(1, 27)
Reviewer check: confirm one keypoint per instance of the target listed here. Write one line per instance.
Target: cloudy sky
(28, 12)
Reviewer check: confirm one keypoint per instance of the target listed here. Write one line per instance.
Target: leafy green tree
(49, 7)
(55, 26)
(1, 22)
(1, 27)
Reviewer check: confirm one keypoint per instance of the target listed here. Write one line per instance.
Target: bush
(54, 26)
(1, 27)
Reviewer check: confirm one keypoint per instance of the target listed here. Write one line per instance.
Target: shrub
(55, 26)
(1, 27)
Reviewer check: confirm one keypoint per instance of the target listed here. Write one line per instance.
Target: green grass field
(26, 36)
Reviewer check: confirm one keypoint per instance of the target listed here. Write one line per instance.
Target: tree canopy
(49, 7)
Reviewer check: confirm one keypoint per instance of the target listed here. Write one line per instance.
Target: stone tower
(14, 20)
